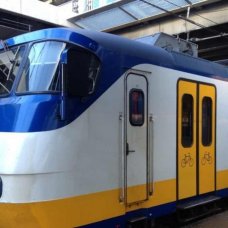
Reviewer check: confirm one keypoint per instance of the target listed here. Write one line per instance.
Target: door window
(136, 101)
(206, 121)
(187, 120)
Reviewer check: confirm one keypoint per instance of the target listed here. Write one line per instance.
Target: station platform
(219, 220)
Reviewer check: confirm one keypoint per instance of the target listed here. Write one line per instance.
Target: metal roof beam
(188, 1)
(125, 11)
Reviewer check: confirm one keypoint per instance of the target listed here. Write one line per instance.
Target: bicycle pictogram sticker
(207, 158)
(187, 160)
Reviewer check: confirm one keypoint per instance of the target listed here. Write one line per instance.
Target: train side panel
(74, 174)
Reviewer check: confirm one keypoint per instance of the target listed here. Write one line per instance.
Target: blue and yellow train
(101, 131)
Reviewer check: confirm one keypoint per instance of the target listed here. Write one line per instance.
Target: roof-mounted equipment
(171, 43)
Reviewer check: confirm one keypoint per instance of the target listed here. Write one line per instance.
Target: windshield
(41, 73)
(10, 61)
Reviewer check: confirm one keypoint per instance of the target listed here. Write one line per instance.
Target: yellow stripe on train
(86, 209)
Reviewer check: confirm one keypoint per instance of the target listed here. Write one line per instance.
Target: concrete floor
(216, 221)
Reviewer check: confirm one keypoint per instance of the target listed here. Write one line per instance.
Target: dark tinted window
(187, 120)
(206, 121)
(83, 69)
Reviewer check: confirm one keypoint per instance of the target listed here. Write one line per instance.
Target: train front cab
(44, 72)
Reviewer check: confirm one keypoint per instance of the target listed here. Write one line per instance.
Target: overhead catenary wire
(217, 35)
(196, 14)
(215, 32)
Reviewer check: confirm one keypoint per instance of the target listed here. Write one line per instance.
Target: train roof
(96, 41)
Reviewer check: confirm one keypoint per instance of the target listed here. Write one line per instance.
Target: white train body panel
(91, 143)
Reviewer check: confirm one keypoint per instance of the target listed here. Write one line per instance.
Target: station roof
(130, 12)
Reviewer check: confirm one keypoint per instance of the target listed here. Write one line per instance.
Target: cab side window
(83, 68)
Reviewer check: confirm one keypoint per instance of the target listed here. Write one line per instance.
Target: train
(98, 130)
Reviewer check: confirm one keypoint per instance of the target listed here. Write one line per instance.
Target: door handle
(127, 149)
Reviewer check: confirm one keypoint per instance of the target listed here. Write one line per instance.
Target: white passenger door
(136, 101)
